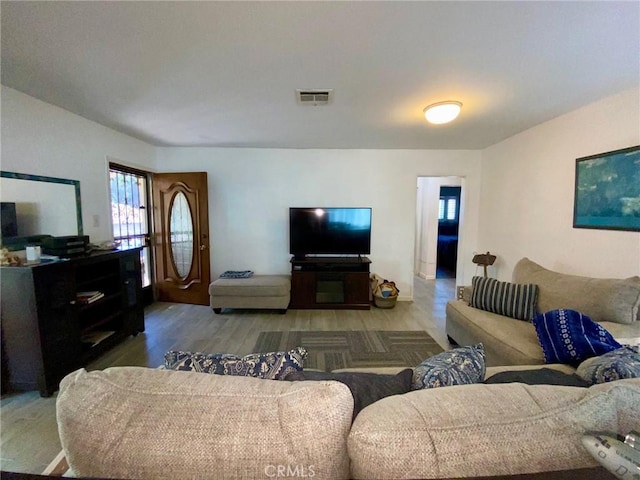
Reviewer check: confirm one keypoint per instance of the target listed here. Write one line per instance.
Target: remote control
(622, 458)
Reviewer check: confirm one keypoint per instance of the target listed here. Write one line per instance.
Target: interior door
(181, 237)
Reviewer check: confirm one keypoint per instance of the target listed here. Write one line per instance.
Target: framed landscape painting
(607, 191)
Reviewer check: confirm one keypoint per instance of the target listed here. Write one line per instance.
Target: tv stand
(330, 283)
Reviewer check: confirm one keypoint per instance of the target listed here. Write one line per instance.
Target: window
(129, 213)
(448, 209)
(451, 208)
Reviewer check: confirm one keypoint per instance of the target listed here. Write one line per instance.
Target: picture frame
(607, 191)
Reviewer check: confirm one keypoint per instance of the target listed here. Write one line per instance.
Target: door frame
(148, 292)
(433, 224)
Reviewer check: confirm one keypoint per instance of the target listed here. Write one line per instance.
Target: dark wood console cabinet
(48, 332)
(330, 282)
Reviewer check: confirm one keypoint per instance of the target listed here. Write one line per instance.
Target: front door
(181, 237)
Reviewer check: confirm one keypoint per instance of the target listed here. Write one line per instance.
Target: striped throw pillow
(509, 299)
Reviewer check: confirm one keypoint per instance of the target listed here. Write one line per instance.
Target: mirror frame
(65, 181)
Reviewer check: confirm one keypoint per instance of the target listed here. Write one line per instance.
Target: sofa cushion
(620, 363)
(559, 367)
(487, 430)
(506, 341)
(567, 336)
(504, 298)
(272, 365)
(459, 366)
(538, 376)
(511, 342)
(132, 422)
(366, 388)
(625, 334)
(602, 299)
(490, 371)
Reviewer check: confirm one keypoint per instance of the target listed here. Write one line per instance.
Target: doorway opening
(437, 227)
(448, 225)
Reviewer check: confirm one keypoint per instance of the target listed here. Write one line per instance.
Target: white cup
(33, 253)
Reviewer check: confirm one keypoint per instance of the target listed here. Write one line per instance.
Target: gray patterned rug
(352, 349)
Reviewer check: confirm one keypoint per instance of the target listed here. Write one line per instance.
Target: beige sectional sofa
(143, 423)
(614, 303)
(132, 422)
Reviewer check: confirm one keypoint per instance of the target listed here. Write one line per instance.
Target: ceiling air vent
(314, 96)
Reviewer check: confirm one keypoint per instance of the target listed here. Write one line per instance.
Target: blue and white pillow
(568, 336)
(272, 365)
(459, 366)
(615, 365)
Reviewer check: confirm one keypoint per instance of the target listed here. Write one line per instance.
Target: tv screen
(9, 219)
(329, 231)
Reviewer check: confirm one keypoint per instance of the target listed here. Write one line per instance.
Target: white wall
(525, 208)
(41, 139)
(427, 224)
(528, 189)
(251, 190)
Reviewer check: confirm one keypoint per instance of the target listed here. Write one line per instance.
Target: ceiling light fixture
(442, 112)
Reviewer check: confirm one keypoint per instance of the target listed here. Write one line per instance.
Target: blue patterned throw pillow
(568, 336)
(459, 366)
(615, 365)
(271, 366)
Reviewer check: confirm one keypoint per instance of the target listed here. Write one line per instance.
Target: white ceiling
(225, 73)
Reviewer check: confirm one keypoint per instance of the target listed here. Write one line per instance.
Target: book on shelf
(96, 337)
(89, 297)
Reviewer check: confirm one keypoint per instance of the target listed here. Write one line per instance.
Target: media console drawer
(333, 267)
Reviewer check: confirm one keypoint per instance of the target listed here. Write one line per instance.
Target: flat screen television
(337, 231)
(9, 219)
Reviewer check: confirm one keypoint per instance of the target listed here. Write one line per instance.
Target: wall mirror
(43, 205)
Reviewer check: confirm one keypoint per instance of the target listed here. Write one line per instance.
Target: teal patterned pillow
(271, 366)
(460, 366)
(615, 365)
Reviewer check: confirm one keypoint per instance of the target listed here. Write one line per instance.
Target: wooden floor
(28, 430)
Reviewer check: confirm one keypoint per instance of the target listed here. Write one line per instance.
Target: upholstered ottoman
(258, 291)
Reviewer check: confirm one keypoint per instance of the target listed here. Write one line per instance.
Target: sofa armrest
(134, 422)
(483, 430)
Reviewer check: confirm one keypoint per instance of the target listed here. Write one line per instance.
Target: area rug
(353, 349)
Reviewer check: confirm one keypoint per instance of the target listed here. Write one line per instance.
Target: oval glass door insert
(181, 234)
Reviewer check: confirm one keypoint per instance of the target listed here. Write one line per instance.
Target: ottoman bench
(258, 291)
